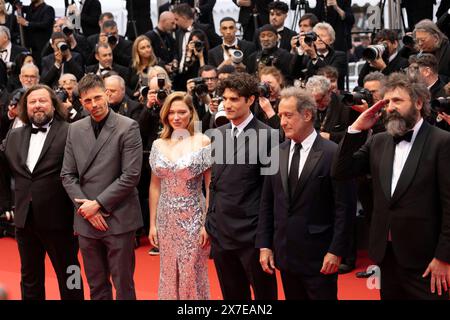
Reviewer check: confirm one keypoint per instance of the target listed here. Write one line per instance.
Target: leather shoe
(346, 268)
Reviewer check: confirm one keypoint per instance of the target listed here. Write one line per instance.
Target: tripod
(299, 6)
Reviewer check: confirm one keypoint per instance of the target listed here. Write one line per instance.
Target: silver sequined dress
(179, 217)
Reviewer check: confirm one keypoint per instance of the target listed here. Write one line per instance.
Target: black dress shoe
(346, 268)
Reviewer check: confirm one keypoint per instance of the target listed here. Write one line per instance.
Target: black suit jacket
(128, 108)
(163, 44)
(283, 62)
(337, 59)
(213, 38)
(52, 208)
(285, 37)
(90, 14)
(121, 70)
(315, 221)
(235, 189)
(50, 74)
(215, 55)
(15, 51)
(418, 212)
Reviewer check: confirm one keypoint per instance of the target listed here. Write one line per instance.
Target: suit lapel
(24, 146)
(284, 162)
(313, 158)
(386, 166)
(412, 162)
(104, 136)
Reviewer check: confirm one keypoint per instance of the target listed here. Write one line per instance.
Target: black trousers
(399, 283)
(62, 248)
(238, 270)
(309, 287)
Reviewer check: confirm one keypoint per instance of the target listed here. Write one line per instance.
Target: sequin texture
(180, 216)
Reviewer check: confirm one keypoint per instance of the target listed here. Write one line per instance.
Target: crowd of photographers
(183, 53)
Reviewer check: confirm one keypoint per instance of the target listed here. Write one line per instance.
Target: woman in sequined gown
(180, 160)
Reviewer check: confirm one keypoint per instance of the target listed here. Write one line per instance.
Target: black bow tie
(36, 130)
(3, 50)
(406, 137)
(229, 47)
(105, 69)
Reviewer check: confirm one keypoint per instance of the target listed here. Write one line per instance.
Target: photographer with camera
(63, 60)
(318, 47)
(120, 46)
(67, 92)
(383, 55)
(332, 118)
(232, 51)
(8, 50)
(77, 42)
(270, 54)
(425, 67)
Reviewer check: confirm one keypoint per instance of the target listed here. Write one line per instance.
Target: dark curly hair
(242, 83)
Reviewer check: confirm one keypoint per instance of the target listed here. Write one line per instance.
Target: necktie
(406, 137)
(36, 130)
(293, 172)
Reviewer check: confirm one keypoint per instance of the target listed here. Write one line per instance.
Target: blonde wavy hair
(167, 130)
(136, 58)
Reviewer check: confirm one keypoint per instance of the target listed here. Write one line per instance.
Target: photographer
(332, 118)
(425, 67)
(8, 50)
(265, 107)
(76, 41)
(305, 24)
(67, 92)
(443, 118)
(318, 47)
(385, 55)
(63, 60)
(270, 55)
(120, 46)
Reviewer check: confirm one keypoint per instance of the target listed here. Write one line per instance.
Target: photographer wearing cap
(270, 54)
(382, 55)
(224, 54)
(63, 60)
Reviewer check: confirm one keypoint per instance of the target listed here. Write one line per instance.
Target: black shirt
(98, 126)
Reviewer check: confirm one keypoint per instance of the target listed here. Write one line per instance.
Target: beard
(397, 125)
(40, 120)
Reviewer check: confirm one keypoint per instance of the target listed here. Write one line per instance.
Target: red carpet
(147, 272)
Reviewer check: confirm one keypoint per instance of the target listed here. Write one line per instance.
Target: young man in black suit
(305, 216)
(235, 193)
(410, 233)
(104, 56)
(33, 155)
(221, 54)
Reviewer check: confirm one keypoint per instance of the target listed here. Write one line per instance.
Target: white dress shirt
(184, 48)
(36, 144)
(6, 55)
(227, 54)
(304, 151)
(402, 150)
(241, 126)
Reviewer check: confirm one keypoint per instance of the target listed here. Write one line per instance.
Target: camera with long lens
(267, 59)
(310, 37)
(162, 94)
(408, 41)
(200, 89)
(62, 94)
(356, 97)
(237, 56)
(264, 90)
(441, 104)
(374, 52)
(198, 45)
(112, 39)
(62, 46)
(68, 31)
(220, 117)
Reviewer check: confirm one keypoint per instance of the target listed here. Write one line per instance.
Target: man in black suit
(8, 50)
(278, 12)
(110, 34)
(118, 100)
(409, 235)
(90, 14)
(425, 66)
(305, 216)
(104, 56)
(43, 211)
(389, 61)
(62, 61)
(235, 192)
(221, 55)
(270, 54)
(252, 11)
(37, 26)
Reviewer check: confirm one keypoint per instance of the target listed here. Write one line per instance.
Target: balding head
(167, 21)
(115, 89)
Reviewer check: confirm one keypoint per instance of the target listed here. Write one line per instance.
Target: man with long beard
(410, 229)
